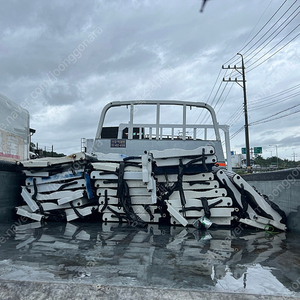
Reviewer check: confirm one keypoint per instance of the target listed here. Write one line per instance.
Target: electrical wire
(273, 53)
(280, 117)
(264, 24)
(214, 85)
(225, 98)
(277, 94)
(237, 117)
(272, 99)
(274, 30)
(206, 113)
(271, 102)
(272, 40)
(237, 132)
(269, 118)
(269, 37)
(210, 95)
(252, 31)
(256, 33)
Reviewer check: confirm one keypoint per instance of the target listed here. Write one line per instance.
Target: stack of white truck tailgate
(173, 186)
(193, 192)
(57, 188)
(126, 189)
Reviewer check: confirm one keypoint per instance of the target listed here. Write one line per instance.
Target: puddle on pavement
(222, 260)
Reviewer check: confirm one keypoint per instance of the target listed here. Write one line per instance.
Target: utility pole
(242, 84)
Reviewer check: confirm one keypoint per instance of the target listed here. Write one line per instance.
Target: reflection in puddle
(243, 261)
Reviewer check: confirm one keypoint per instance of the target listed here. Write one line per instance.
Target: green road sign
(243, 150)
(257, 150)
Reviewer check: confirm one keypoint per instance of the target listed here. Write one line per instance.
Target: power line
(233, 115)
(214, 85)
(273, 32)
(263, 26)
(279, 97)
(210, 95)
(230, 60)
(264, 46)
(205, 119)
(206, 113)
(239, 112)
(271, 41)
(237, 116)
(237, 132)
(277, 94)
(257, 34)
(273, 53)
(280, 117)
(249, 70)
(225, 98)
(272, 102)
(268, 119)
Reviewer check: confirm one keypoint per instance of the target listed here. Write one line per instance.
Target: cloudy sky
(64, 60)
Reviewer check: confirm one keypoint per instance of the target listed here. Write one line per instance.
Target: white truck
(14, 131)
(237, 160)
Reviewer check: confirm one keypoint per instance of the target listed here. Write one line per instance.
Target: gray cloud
(140, 39)
(60, 94)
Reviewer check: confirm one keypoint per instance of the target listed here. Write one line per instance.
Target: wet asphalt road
(216, 260)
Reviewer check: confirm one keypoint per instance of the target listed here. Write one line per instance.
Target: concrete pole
(246, 117)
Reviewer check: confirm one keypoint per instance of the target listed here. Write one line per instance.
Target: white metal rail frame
(157, 125)
(157, 131)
